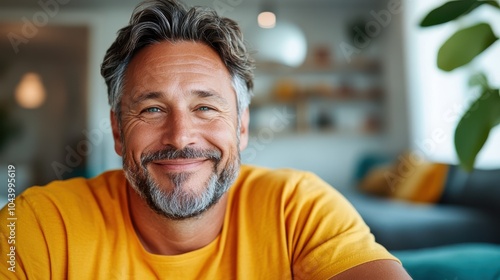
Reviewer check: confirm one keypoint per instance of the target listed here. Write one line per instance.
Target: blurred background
(336, 80)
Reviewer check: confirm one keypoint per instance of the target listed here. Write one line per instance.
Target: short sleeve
(327, 234)
(26, 240)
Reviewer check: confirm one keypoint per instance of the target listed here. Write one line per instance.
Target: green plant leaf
(452, 10)
(464, 45)
(493, 3)
(479, 80)
(474, 127)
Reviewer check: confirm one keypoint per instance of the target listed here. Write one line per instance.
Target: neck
(163, 236)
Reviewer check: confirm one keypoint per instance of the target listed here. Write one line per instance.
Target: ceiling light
(266, 19)
(30, 92)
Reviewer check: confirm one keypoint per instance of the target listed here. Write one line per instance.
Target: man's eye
(204, 108)
(152, 110)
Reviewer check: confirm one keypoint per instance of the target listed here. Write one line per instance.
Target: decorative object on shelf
(322, 56)
(461, 48)
(285, 90)
(324, 120)
(373, 123)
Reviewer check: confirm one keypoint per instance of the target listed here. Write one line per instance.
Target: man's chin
(186, 216)
(169, 180)
(178, 182)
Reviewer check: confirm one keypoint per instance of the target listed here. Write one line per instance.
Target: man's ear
(245, 120)
(116, 133)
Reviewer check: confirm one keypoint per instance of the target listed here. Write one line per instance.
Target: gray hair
(155, 21)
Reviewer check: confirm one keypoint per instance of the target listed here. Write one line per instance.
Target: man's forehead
(155, 62)
(179, 56)
(195, 67)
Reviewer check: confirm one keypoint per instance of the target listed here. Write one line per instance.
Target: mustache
(186, 153)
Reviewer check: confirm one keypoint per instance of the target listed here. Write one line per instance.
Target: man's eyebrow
(145, 96)
(210, 94)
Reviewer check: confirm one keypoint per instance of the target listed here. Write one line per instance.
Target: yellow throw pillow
(419, 181)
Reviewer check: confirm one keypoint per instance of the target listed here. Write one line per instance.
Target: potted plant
(461, 48)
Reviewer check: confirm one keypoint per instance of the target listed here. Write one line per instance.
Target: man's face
(179, 135)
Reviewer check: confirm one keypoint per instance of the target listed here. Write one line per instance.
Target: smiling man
(177, 130)
(183, 207)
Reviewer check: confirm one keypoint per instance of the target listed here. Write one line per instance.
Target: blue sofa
(400, 225)
(445, 241)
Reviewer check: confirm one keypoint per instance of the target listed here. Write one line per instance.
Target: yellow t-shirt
(278, 225)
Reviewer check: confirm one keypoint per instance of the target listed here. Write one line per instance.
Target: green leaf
(464, 45)
(452, 10)
(493, 3)
(474, 127)
(479, 80)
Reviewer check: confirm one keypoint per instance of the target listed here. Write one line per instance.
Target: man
(179, 84)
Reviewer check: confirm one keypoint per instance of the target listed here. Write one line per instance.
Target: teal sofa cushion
(471, 261)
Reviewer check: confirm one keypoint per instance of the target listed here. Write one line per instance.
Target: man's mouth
(180, 165)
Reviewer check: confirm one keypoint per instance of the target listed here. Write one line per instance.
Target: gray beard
(180, 203)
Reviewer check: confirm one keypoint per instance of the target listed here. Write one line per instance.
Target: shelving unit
(333, 99)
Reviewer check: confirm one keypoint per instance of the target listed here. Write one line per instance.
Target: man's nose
(179, 130)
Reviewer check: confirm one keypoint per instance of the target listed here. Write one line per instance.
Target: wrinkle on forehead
(186, 56)
(188, 65)
(157, 61)
(192, 63)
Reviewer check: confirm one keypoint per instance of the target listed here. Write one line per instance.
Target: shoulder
(75, 186)
(77, 193)
(63, 219)
(289, 192)
(285, 183)
(285, 177)
(72, 207)
(79, 184)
